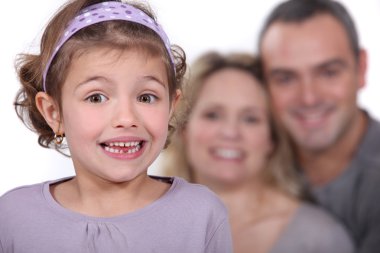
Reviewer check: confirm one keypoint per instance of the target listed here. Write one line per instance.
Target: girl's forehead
(108, 11)
(114, 52)
(113, 64)
(95, 56)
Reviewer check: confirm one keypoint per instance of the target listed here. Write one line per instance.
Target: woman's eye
(211, 115)
(96, 98)
(147, 98)
(251, 119)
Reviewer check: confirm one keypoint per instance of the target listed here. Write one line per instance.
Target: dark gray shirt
(354, 197)
(188, 218)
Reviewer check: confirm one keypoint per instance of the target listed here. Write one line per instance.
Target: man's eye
(96, 98)
(283, 79)
(329, 73)
(147, 98)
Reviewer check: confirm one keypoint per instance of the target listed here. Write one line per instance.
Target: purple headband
(106, 11)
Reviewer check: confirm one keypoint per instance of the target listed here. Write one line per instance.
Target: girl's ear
(50, 111)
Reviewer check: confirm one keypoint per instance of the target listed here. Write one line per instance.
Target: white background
(196, 25)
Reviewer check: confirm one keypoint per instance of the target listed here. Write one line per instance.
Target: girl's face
(228, 134)
(115, 113)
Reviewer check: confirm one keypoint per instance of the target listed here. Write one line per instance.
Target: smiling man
(314, 69)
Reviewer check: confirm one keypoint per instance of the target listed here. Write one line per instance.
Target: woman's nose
(230, 129)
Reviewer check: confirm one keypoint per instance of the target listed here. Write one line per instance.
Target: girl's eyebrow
(92, 78)
(108, 81)
(155, 79)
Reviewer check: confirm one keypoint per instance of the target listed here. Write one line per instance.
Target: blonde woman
(227, 140)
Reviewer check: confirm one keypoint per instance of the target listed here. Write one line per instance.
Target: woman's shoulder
(319, 230)
(313, 215)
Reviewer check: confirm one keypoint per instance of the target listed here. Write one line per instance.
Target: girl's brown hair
(122, 35)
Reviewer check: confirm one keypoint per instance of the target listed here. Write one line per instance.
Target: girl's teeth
(124, 144)
(121, 151)
(136, 147)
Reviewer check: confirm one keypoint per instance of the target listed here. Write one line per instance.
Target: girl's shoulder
(194, 196)
(17, 204)
(202, 192)
(21, 195)
(26, 198)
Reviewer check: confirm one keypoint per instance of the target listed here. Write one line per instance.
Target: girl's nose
(124, 115)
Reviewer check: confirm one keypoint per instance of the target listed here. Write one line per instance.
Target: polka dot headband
(106, 11)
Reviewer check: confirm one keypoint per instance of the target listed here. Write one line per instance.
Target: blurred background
(197, 26)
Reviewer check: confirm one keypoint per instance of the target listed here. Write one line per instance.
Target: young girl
(106, 82)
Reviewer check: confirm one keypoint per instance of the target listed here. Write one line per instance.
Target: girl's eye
(147, 98)
(96, 98)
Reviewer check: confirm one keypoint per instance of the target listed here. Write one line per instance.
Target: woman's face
(228, 134)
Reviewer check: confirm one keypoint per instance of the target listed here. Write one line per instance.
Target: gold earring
(58, 138)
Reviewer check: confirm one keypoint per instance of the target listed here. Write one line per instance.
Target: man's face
(313, 78)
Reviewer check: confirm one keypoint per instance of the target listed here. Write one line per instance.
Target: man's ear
(50, 111)
(362, 68)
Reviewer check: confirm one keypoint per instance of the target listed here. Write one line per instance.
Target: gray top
(354, 197)
(188, 218)
(312, 230)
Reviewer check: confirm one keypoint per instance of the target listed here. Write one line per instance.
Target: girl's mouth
(120, 147)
